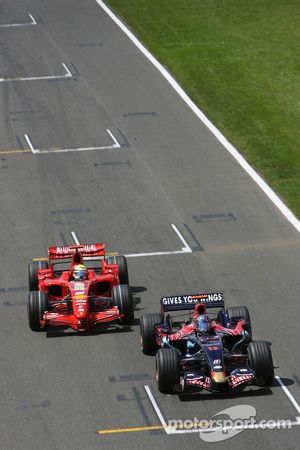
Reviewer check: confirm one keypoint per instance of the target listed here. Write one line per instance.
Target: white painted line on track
(27, 138)
(24, 24)
(185, 249)
(263, 425)
(33, 21)
(75, 238)
(156, 409)
(66, 75)
(67, 70)
(116, 143)
(115, 146)
(229, 147)
(287, 392)
(136, 255)
(79, 149)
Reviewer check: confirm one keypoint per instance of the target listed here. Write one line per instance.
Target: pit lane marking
(116, 145)
(66, 75)
(24, 24)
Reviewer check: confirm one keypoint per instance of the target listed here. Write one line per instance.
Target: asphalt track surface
(58, 390)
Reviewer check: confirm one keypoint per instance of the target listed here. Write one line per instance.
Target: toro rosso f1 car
(56, 298)
(216, 354)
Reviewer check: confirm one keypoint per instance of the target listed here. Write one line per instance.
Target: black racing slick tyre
(148, 341)
(241, 312)
(167, 369)
(123, 269)
(122, 298)
(37, 305)
(261, 361)
(33, 269)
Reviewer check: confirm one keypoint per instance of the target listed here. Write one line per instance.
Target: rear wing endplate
(86, 250)
(188, 301)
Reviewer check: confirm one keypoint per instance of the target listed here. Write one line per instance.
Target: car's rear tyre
(122, 298)
(37, 305)
(261, 361)
(33, 269)
(235, 312)
(148, 341)
(167, 369)
(123, 269)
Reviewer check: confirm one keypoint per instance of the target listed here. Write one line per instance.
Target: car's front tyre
(37, 305)
(122, 298)
(33, 269)
(167, 369)
(261, 361)
(236, 312)
(148, 338)
(121, 261)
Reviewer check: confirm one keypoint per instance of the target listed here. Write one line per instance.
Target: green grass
(239, 60)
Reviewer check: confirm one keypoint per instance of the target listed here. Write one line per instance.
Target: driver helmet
(200, 308)
(202, 324)
(80, 272)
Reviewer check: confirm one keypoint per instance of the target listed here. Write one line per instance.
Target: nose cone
(80, 304)
(219, 377)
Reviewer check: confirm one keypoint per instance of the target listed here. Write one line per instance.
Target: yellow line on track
(130, 430)
(9, 152)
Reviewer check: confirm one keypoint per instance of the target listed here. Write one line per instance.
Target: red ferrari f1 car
(81, 294)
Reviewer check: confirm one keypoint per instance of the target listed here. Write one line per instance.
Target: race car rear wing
(188, 301)
(85, 250)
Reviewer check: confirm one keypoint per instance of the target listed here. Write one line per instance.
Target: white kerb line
(226, 144)
(157, 410)
(186, 248)
(34, 150)
(75, 238)
(287, 392)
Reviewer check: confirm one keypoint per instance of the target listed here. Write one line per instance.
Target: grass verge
(240, 63)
